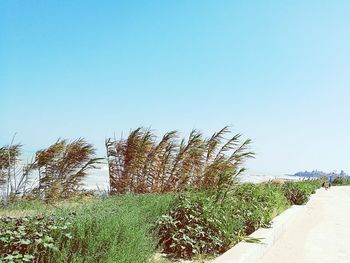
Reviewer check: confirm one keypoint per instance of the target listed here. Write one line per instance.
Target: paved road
(320, 234)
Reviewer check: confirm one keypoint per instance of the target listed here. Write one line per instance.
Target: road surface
(320, 234)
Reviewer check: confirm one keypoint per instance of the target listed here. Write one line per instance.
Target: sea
(98, 179)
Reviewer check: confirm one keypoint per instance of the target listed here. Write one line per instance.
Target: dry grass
(63, 165)
(33, 207)
(143, 164)
(161, 258)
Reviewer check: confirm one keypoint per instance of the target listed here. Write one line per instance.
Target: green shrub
(341, 181)
(298, 193)
(201, 224)
(187, 231)
(248, 207)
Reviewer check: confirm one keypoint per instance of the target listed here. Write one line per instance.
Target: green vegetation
(189, 229)
(171, 196)
(26, 239)
(109, 229)
(200, 223)
(131, 228)
(297, 193)
(341, 181)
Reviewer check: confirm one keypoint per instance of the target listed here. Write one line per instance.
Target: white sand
(320, 234)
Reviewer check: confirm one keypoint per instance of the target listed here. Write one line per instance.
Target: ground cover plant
(32, 238)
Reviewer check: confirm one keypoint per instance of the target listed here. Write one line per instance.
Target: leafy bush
(31, 239)
(202, 224)
(341, 181)
(298, 193)
(257, 205)
(186, 231)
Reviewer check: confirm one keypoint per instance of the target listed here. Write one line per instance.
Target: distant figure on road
(326, 184)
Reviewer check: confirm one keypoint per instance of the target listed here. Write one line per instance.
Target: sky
(276, 71)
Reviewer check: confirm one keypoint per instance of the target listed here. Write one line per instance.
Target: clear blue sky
(278, 71)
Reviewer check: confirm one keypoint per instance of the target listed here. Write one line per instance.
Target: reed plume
(140, 164)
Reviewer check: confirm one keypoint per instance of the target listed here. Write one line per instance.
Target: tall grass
(142, 163)
(62, 167)
(54, 172)
(117, 229)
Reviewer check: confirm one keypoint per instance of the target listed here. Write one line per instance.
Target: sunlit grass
(115, 229)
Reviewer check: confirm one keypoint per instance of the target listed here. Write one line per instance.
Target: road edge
(244, 252)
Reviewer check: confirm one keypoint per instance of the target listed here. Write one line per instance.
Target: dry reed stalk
(141, 165)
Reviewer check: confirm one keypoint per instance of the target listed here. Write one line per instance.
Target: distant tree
(320, 174)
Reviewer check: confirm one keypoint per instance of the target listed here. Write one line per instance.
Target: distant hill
(317, 174)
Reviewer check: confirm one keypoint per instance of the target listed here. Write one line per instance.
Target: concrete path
(320, 234)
